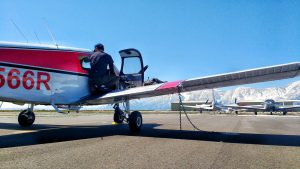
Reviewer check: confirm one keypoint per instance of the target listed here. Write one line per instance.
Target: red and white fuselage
(42, 73)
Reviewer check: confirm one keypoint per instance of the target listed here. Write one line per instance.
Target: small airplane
(56, 75)
(205, 106)
(215, 105)
(268, 105)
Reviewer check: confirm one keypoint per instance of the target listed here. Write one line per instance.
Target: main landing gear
(134, 119)
(26, 118)
(119, 115)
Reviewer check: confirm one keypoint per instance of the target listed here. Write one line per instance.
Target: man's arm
(111, 66)
(94, 60)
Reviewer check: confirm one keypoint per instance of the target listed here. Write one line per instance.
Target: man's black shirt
(99, 63)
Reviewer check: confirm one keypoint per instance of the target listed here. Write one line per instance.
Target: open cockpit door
(132, 68)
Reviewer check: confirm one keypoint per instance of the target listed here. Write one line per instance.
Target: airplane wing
(244, 107)
(288, 108)
(198, 107)
(194, 107)
(209, 82)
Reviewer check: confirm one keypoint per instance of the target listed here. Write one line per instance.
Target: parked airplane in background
(209, 106)
(205, 106)
(268, 105)
(213, 106)
(56, 75)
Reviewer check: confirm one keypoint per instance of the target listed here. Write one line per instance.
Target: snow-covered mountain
(292, 91)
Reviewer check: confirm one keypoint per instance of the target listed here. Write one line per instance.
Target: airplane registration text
(28, 80)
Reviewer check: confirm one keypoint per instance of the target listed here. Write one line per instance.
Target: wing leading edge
(264, 74)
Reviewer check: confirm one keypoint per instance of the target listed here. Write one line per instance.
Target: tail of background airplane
(214, 99)
(206, 101)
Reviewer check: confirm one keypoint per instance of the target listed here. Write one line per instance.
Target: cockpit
(270, 101)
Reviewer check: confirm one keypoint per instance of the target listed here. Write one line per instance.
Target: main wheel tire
(284, 113)
(119, 116)
(255, 113)
(26, 118)
(135, 121)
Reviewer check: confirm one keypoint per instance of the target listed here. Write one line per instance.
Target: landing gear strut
(119, 115)
(134, 119)
(26, 118)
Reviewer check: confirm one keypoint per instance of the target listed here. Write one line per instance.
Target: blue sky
(178, 39)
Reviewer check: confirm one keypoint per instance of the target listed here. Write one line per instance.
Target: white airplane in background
(205, 106)
(268, 105)
(215, 105)
(56, 75)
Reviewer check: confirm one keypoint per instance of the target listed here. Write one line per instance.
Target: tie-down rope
(182, 108)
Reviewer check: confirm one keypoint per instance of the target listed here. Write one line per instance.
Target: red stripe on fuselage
(53, 59)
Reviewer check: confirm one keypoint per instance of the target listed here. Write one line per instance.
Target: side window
(86, 63)
(131, 65)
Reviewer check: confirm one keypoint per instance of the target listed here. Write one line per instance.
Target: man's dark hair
(99, 46)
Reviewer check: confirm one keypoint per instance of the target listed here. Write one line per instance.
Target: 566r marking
(15, 79)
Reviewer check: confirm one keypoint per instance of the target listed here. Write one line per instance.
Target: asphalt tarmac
(92, 141)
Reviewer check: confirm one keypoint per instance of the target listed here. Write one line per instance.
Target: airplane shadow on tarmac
(58, 133)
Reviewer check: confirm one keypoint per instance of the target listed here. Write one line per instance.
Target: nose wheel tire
(26, 118)
(135, 121)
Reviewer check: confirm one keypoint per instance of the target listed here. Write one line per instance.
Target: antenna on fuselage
(19, 30)
(37, 37)
(50, 33)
